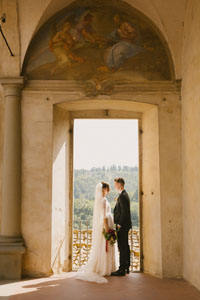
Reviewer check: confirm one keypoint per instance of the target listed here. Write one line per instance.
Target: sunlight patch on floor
(10, 288)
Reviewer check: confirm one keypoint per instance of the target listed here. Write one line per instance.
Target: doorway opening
(104, 149)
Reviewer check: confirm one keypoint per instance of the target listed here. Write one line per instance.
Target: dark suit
(122, 216)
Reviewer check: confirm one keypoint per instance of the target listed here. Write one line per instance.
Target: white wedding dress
(101, 262)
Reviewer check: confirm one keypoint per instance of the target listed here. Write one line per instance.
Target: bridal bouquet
(110, 236)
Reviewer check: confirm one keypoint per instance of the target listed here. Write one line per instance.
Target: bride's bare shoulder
(105, 200)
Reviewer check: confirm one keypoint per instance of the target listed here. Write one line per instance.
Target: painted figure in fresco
(98, 42)
(125, 39)
(62, 45)
(85, 31)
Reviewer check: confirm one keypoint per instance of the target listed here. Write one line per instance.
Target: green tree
(84, 191)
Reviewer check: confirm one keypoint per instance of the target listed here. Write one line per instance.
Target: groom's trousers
(124, 249)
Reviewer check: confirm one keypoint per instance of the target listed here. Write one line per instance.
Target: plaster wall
(10, 65)
(191, 143)
(162, 187)
(37, 134)
(1, 143)
(151, 214)
(60, 190)
(171, 187)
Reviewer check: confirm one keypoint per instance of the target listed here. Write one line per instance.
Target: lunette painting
(102, 40)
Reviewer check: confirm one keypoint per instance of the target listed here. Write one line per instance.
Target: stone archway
(161, 148)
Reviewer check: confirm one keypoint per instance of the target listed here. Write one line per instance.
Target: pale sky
(99, 143)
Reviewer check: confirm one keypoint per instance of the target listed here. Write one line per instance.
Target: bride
(101, 262)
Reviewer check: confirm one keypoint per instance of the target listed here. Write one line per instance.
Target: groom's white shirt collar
(121, 191)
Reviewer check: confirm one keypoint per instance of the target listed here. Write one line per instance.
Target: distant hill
(84, 191)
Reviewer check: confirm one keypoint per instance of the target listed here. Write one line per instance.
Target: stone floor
(136, 286)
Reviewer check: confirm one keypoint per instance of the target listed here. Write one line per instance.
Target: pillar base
(11, 251)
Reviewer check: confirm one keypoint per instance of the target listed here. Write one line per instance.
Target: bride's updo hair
(105, 185)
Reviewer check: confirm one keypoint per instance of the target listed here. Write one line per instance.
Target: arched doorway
(90, 58)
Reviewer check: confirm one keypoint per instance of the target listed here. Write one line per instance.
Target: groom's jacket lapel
(117, 210)
(117, 202)
(124, 200)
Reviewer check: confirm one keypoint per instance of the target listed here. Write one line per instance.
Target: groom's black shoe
(118, 273)
(127, 271)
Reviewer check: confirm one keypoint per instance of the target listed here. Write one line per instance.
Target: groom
(122, 219)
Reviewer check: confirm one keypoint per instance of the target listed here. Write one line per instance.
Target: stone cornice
(12, 85)
(93, 88)
(12, 80)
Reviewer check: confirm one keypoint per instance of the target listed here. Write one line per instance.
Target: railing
(82, 244)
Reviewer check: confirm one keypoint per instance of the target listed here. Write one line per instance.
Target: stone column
(11, 241)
